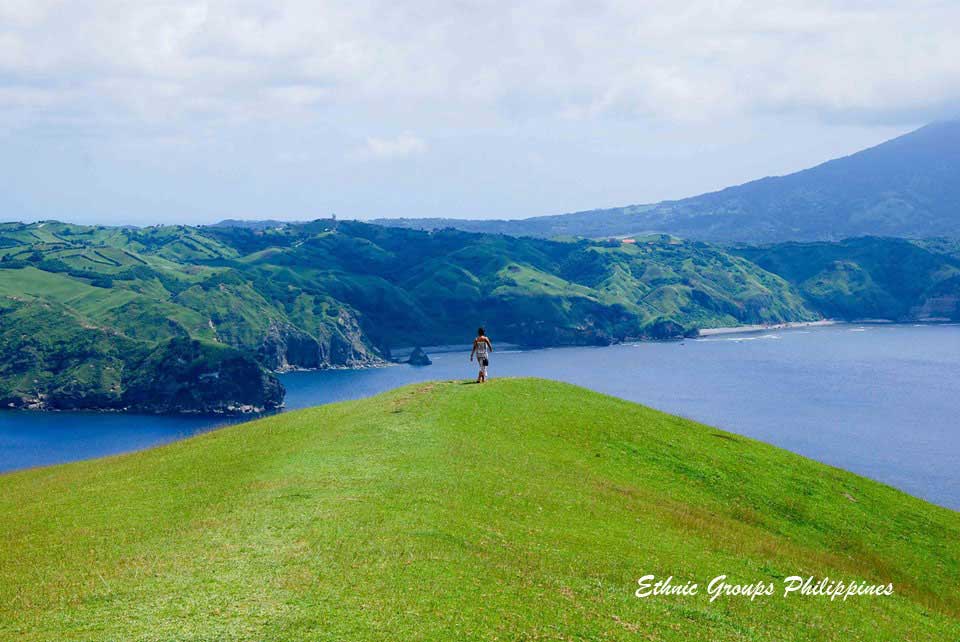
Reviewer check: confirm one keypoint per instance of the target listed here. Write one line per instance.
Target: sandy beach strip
(706, 332)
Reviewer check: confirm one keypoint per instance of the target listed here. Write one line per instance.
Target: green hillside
(89, 312)
(520, 509)
(879, 278)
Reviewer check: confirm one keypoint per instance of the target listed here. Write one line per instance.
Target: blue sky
(186, 111)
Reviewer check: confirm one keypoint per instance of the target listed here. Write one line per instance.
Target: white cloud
(402, 146)
(241, 60)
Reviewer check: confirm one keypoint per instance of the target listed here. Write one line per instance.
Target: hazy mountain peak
(908, 187)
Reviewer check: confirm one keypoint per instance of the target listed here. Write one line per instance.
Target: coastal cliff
(187, 376)
(286, 347)
(73, 367)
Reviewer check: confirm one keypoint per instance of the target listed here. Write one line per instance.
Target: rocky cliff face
(187, 376)
(945, 306)
(71, 396)
(555, 321)
(339, 343)
(349, 346)
(286, 347)
(665, 330)
(177, 376)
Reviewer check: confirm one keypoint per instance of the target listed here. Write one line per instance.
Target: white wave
(739, 339)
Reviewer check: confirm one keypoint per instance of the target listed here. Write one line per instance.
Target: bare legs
(482, 374)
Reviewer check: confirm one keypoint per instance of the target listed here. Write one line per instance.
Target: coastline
(738, 329)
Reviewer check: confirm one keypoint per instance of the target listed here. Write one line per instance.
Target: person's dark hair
(480, 331)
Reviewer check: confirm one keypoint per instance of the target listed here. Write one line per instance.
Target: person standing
(482, 348)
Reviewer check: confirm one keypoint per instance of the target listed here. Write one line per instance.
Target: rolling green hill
(907, 187)
(88, 313)
(519, 509)
(876, 278)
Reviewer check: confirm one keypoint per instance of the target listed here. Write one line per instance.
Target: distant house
(629, 240)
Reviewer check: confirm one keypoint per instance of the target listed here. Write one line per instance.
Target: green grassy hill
(869, 277)
(521, 509)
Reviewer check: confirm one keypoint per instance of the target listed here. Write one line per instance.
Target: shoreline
(254, 413)
(738, 329)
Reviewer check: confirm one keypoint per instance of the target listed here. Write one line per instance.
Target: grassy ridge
(522, 509)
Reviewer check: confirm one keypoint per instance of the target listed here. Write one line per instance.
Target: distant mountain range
(907, 187)
(260, 225)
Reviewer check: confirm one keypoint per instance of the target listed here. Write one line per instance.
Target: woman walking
(482, 348)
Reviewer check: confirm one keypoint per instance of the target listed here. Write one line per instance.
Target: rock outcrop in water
(419, 358)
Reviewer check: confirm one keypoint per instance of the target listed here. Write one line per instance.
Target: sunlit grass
(519, 509)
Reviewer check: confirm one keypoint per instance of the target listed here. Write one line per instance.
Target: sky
(185, 111)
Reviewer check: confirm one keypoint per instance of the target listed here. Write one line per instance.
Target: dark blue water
(882, 401)
(39, 438)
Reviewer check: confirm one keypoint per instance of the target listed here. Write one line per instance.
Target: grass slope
(522, 509)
